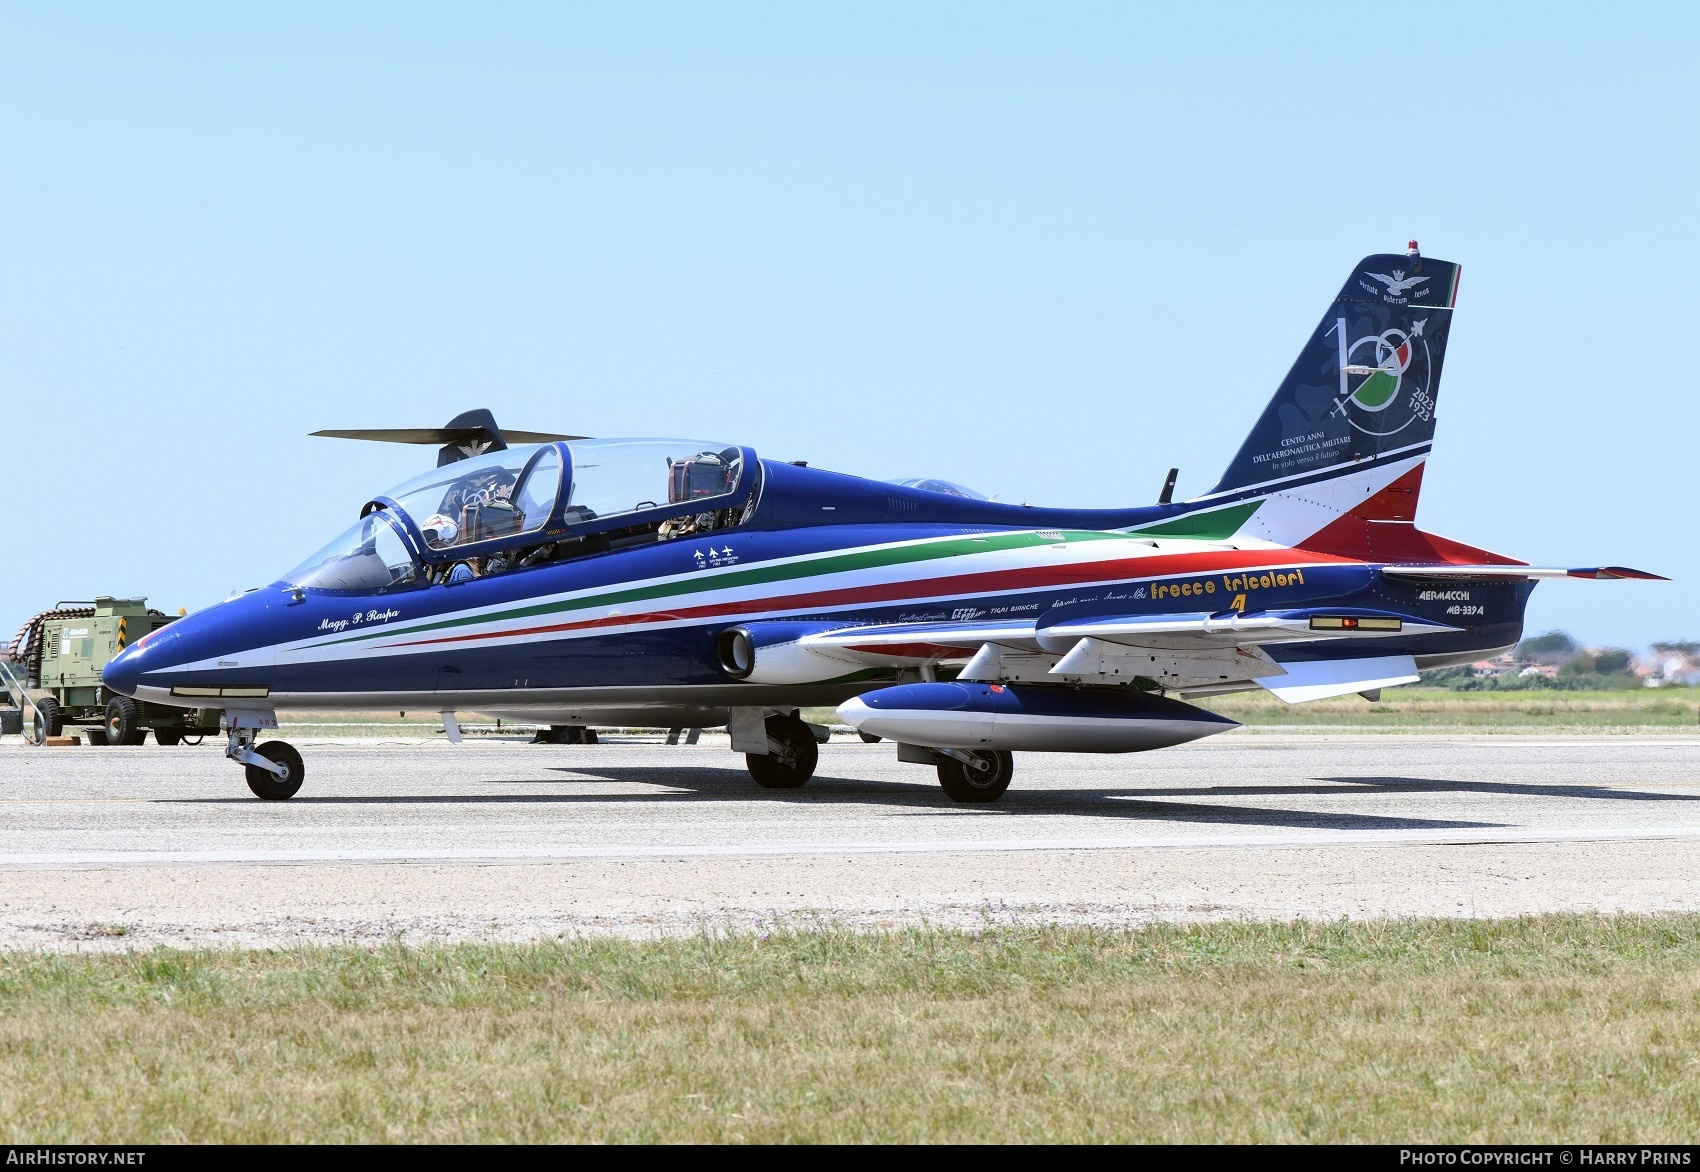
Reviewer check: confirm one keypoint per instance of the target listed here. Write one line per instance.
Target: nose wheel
(274, 770)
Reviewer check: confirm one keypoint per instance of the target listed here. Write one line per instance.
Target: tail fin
(1349, 428)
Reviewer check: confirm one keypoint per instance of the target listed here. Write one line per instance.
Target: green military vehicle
(53, 676)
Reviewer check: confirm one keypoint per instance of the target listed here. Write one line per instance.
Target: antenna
(1168, 493)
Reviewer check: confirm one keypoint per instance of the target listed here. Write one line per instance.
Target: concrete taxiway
(129, 847)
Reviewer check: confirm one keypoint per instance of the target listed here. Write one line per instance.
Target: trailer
(52, 677)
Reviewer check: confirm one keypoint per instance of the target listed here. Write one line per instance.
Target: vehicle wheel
(123, 724)
(168, 736)
(984, 781)
(870, 738)
(269, 786)
(793, 763)
(96, 736)
(46, 721)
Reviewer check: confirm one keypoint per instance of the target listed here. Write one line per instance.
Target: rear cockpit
(535, 504)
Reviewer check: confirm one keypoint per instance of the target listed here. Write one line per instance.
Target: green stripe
(1211, 525)
(754, 576)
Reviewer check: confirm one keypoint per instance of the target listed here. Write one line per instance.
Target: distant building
(1499, 665)
(1667, 668)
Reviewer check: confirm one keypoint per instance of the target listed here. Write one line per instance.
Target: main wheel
(123, 722)
(790, 763)
(268, 785)
(983, 781)
(168, 736)
(46, 722)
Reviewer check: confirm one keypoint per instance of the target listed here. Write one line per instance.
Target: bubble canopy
(528, 496)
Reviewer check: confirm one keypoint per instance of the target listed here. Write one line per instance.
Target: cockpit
(528, 505)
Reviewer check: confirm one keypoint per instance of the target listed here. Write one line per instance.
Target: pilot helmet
(439, 530)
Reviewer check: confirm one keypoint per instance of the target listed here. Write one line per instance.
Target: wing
(1194, 654)
(1383, 278)
(942, 642)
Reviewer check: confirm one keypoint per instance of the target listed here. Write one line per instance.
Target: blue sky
(1045, 250)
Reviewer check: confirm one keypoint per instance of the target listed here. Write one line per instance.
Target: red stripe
(1031, 578)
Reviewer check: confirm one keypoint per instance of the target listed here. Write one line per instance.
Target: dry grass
(1440, 709)
(1544, 1029)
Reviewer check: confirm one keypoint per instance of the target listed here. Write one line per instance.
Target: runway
(128, 847)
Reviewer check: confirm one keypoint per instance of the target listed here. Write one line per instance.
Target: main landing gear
(975, 775)
(274, 769)
(791, 754)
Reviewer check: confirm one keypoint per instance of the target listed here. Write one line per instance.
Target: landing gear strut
(274, 769)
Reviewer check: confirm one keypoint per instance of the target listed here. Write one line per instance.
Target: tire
(123, 722)
(270, 787)
(96, 736)
(795, 762)
(565, 734)
(984, 784)
(45, 721)
(168, 736)
(870, 738)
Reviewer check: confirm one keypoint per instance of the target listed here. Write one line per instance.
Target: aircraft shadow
(697, 784)
(1516, 789)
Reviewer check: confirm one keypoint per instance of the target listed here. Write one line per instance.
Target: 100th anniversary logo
(1386, 378)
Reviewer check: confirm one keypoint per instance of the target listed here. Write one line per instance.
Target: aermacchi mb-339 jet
(693, 584)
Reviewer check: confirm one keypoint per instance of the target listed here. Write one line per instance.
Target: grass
(1437, 709)
(1559, 1028)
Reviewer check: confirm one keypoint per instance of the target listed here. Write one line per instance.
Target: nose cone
(154, 652)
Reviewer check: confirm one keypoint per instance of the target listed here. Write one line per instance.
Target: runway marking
(73, 801)
(768, 850)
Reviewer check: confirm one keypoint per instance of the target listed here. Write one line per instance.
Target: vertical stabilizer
(1350, 426)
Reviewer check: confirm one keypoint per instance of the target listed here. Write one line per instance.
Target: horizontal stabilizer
(440, 435)
(471, 433)
(1520, 572)
(1320, 678)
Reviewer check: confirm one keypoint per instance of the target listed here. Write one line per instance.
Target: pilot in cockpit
(476, 507)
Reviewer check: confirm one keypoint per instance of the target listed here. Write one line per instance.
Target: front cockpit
(529, 505)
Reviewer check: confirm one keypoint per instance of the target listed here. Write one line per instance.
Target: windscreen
(371, 555)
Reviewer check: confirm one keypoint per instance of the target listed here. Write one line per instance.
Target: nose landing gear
(274, 769)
